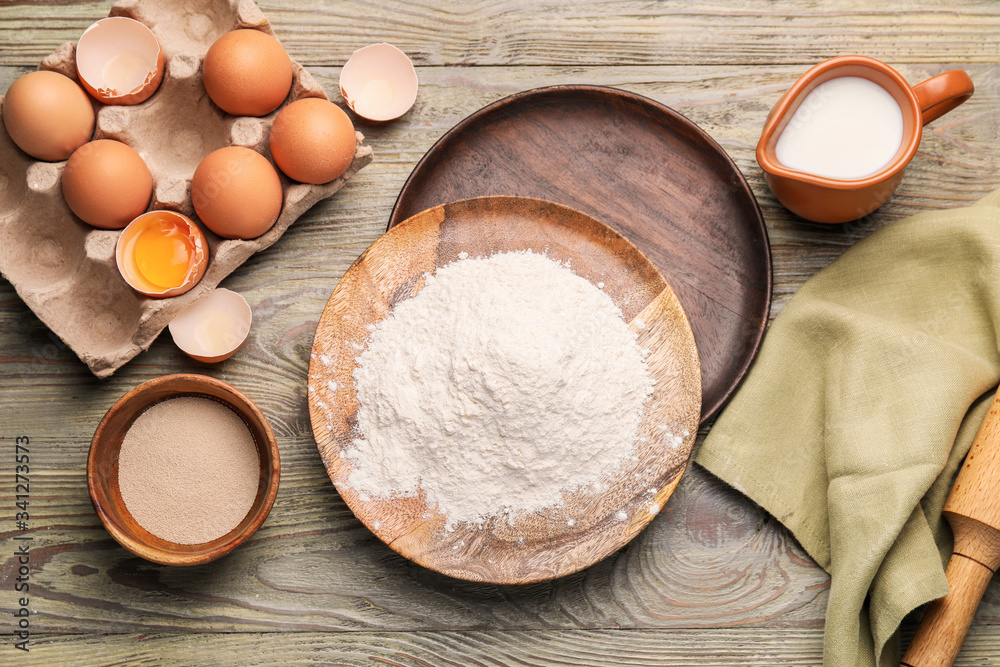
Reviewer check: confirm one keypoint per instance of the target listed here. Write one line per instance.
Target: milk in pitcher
(846, 128)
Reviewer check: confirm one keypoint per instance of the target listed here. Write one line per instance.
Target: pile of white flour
(503, 384)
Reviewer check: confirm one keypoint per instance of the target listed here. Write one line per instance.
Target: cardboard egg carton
(64, 269)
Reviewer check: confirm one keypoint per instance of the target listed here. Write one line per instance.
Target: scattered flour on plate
(505, 383)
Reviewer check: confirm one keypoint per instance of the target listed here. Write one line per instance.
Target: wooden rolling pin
(973, 511)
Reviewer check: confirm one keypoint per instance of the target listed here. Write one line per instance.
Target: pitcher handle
(940, 94)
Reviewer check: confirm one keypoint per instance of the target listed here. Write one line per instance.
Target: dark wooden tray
(644, 170)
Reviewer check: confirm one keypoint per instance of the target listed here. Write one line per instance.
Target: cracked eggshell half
(213, 328)
(162, 253)
(379, 82)
(119, 61)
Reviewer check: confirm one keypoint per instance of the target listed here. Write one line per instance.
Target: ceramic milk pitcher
(811, 191)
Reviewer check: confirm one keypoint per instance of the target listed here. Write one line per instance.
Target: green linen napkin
(844, 428)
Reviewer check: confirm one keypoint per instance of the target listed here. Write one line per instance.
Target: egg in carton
(65, 270)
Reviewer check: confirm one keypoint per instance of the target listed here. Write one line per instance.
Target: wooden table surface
(712, 581)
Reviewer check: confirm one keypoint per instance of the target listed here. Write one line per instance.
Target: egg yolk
(162, 252)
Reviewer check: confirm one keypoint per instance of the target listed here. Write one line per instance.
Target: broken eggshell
(119, 61)
(379, 82)
(213, 328)
(161, 254)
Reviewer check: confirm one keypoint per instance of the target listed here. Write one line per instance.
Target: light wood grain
(707, 560)
(681, 648)
(288, 286)
(563, 32)
(946, 622)
(712, 581)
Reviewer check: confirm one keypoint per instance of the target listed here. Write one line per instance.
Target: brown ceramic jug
(832, 200)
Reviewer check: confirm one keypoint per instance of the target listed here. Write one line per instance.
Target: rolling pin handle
(973, 511)
(946, 621)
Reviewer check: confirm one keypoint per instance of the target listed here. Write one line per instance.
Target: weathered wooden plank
(710, 559)
(682, 648)
(288, 287)
(565, 32)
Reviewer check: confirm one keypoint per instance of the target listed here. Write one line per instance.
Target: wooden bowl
(102, 469)
(588, 526)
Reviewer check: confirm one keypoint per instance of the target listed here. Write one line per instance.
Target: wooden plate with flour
(588, 524)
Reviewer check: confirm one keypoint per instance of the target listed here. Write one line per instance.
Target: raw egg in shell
(247, 73)
(313, 141)
(236, 193)
(48, 115)
(162, 253)
(107, 184)
(214, 327)
(379, 82)
(119, 61)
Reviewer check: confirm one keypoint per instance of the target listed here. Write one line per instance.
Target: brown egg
(48, 115)
(236, 193)
(247, 73)
(107, 184)
(313, 141)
